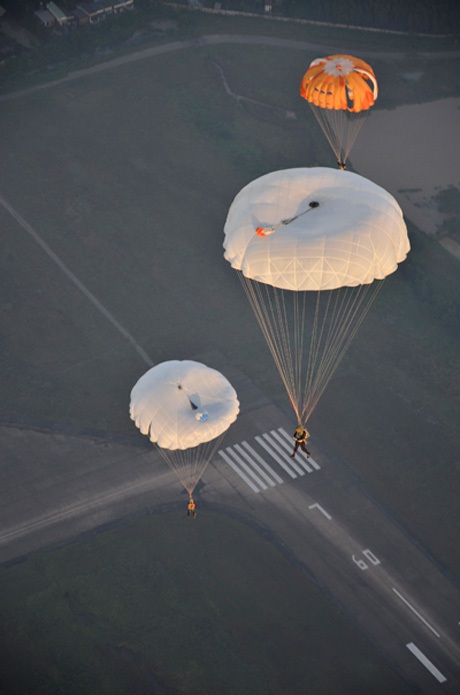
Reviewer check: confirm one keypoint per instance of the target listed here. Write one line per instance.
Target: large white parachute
(310, 246)
(185, 408)
(353, 235)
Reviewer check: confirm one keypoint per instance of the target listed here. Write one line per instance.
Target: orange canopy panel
(340, 82)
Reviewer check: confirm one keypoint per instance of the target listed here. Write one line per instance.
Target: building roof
(56, 11)
(101, 5)
(78, 13)
(45, 16)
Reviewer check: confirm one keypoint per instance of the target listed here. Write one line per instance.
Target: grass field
(144, 609)
(128, 175)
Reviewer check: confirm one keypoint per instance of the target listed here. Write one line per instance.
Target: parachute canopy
(354, 235)
(340, 82)
(310, 246)
(185, 408)
(182, 404)
(340, 90)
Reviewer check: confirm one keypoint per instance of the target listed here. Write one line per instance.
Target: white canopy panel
(181, 404)
(356, 233)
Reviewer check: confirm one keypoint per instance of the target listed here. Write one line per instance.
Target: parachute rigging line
(306, 358)
(341, 129)
(340, 90)
(190, 464)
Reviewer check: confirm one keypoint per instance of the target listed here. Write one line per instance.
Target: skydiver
(191, 508)
(300, 437)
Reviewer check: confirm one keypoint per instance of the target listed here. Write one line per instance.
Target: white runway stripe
(426, 662)
(258, 458)
(237, 470)
(253, 463)
(284, 465)
(242, 464)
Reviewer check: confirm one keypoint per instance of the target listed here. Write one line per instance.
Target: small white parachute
(183, 406)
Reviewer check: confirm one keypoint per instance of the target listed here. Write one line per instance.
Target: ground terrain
(127, 174)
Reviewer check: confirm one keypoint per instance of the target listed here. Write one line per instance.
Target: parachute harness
(266, 231)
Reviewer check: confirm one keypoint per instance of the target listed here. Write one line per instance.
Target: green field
(170, 605)
(128, 175)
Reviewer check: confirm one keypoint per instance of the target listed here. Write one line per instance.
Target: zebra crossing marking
(255, 471)
(257, 466)
(267, 448)
(254, 453)
(227, 458)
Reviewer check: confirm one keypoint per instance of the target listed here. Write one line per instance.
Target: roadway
(56, 486)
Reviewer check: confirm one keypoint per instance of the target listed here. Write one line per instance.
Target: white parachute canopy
(345, 230)
(310, 246)
(185, 408)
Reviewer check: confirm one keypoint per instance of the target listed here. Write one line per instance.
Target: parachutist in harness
(300, 437)
(342, 165)
(191, 508)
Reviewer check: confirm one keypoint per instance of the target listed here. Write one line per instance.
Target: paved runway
(56, 486)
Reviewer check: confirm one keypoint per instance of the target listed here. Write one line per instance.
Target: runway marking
(228, 454)
(321, 509)
(258, 460)
(373, 559)
(242, 475)
(415, 612)
(426, 662)
(73, 278)
(267, 448)
(248, 463)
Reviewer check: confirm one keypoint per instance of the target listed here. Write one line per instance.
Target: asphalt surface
(56, 486)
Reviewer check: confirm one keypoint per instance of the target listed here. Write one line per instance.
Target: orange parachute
(340, 89)
(340, 82)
